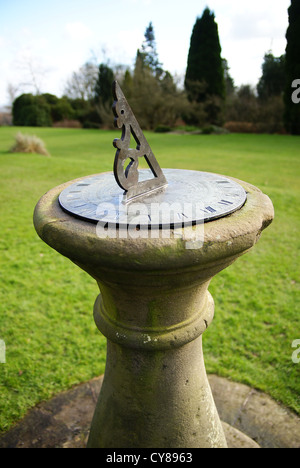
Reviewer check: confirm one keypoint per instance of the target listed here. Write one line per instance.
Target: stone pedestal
(153, 309)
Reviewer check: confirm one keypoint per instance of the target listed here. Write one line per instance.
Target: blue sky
(55, 38)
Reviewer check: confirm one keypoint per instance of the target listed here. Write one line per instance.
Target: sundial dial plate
(151, 197)
(190, 197)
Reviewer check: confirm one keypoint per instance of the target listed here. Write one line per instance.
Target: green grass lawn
(46, 302)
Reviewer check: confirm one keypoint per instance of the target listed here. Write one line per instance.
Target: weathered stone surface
(256, 414)
(236, 439)
(64, 421)
(225, 239)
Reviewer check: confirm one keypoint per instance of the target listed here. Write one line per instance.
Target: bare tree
(82, 83)
(32, 73)
(12, 92)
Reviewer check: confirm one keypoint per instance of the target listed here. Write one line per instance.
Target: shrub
(41, 110)
(241, 127)
(66, 123)
(90, 125)
(29, 144)
(62, 110)
(215, 130)
(208, 130)
(31, 111)
(186, 128)
(163, 129)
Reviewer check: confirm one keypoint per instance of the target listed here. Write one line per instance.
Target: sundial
(154, 304)
(116, 197)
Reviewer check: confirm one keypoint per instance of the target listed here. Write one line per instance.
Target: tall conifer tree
(103, 88)
(148, 56)
(204, 65)
(292, 109)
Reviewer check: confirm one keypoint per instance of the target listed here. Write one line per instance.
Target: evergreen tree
(204, 79)
(150, 90)
(204, 63)
(103, 95)
(292, 109)
(148, 53)
(229, 82)
(272, 81)
(103, 88)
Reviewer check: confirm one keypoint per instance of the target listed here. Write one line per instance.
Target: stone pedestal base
(153, 309)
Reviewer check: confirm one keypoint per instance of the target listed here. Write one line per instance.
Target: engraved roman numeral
(210, 209)
(225, 202)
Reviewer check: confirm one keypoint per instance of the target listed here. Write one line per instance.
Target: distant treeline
(207, 99)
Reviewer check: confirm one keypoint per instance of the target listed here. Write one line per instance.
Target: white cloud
(77, 31)
(130, 40)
